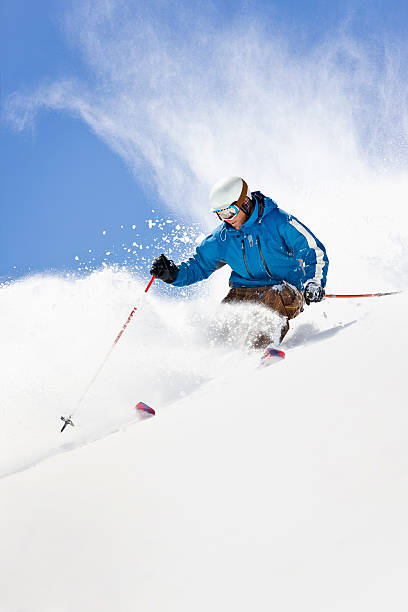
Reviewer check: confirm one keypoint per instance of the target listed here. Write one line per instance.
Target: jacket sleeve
(307, 249)
(203, 263)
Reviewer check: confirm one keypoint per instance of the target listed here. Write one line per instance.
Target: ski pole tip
(67, 421)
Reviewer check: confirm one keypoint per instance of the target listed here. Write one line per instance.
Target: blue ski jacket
(270, 247)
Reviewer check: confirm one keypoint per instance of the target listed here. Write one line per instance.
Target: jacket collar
(258, 211)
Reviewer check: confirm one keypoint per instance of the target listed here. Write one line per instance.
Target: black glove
(165, 269)
(313, 292)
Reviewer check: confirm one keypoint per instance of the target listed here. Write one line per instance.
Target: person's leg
(245, 294)
(253, 295)
(287, 301)
(284, 299)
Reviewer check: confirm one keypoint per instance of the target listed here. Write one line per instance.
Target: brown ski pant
(284, 299)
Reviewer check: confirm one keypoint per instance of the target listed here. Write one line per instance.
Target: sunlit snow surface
(281, 488)
(56, 333)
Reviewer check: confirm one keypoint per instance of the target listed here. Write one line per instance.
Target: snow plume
(135, 251)
(171, 349)
(185, 98)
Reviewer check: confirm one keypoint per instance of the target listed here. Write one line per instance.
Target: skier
(275, 259)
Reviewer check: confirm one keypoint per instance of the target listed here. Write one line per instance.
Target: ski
(270, 356)
(145, 409)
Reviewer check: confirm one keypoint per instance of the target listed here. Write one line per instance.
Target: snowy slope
(283, 488)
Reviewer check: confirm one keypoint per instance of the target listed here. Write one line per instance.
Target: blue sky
(70, 171)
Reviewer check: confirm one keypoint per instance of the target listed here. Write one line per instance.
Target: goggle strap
(243, 195)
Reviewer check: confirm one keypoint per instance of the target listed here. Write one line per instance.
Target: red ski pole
(360, 295)
(130, 316)
(67, 420)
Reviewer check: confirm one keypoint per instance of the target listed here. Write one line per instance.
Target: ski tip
(271, 352)
(145, 408)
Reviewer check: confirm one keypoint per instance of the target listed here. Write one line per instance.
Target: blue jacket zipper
(245, 259)
(258, 242)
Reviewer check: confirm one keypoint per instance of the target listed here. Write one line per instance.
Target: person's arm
(309, 251)
(199, 267)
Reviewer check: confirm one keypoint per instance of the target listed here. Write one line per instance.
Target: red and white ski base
(271, 355)
(145, 409)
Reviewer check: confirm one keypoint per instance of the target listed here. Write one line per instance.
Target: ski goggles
(225, 214)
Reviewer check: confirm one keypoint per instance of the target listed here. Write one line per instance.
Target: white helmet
(232, 189)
